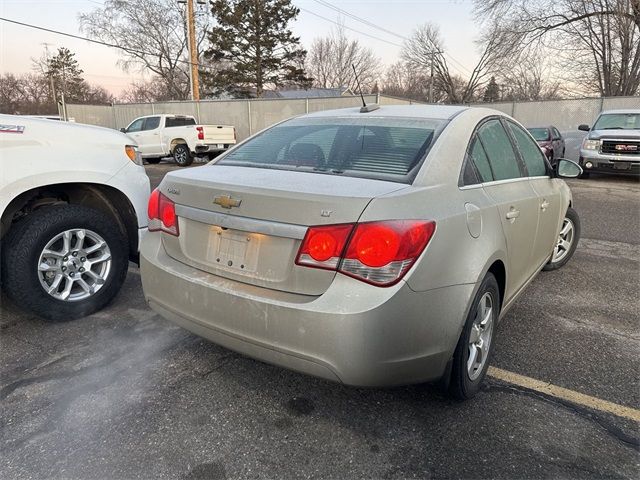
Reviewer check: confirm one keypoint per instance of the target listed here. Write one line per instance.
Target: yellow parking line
(564, 394)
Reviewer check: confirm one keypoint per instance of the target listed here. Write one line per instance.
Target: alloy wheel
(74, 265)
(565, 241)
(480, 336)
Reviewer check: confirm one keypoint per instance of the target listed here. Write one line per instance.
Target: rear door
(515, 198)
(549, 197)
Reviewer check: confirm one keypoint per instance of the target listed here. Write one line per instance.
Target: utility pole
(51, 82)
(432, 56)
(193, 49)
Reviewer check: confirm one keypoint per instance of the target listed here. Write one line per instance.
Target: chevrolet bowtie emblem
(225, 201)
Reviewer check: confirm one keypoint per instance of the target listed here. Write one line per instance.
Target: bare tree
(330, 61)
(425, 51)
(401, 80)
(151, 34)
(596, 43)
(26, 94)
(146, 91)
(529, 78)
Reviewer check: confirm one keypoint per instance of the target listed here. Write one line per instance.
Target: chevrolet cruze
(373, 246)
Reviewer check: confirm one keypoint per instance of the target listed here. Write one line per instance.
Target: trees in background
(592, 44)
(330, 61)
(151, 35)
(252, 48)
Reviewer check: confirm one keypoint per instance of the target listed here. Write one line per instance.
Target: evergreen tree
(67, 75)
(492, 92)
(252, 48)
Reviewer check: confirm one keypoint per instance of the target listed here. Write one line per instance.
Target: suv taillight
(200, 133)
(162, 214)
(379, 253)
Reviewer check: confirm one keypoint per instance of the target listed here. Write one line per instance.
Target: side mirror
(568, 168)
(584, 127)
(123, 130)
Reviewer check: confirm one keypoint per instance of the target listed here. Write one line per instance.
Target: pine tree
(492, 92)
(253, 48)
(67, 75)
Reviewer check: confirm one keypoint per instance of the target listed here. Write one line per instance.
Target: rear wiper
(613, 128)
(332, 170)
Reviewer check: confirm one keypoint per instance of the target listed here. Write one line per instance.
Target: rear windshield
(618, 121)
(540, 134)
(379, 148)
(179, 121)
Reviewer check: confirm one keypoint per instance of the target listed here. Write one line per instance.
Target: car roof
(622, 110)
(438, 112)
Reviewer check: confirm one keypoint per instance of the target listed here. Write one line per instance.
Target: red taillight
(322, 247)
(380, 253)
(200, 133)
(162, 214)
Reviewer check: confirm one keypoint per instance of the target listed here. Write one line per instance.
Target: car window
(179, 121)
(499, 150)
(556, 134)
(477, 157)
(540, 134)
(530, 151)
(136, 125)
(151, 123)
(368, 147)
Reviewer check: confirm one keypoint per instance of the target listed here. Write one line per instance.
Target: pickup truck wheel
(567, 241)
(64, 262)
(153, 161)
(473, 352)
(182, 155)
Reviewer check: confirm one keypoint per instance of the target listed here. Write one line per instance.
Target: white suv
(72, 212)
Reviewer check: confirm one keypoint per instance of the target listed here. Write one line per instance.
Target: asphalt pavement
(125, 394)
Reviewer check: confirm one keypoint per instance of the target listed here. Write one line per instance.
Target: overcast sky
(18, 45)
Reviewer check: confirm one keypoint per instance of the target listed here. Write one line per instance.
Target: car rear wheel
(473, 352)
(182, 155)
(566, 242)
(64, 262)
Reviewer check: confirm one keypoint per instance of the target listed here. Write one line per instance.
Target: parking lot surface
(125, 394)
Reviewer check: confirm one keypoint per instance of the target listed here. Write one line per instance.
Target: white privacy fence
(250, 116)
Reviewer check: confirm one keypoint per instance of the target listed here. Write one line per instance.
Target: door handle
(512, 214)
(544, 205)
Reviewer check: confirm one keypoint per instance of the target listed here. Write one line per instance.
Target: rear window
(618, 121)
(380, 148)
(179, 121)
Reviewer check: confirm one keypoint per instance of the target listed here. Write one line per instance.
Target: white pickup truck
(73, 209)
(179, 136)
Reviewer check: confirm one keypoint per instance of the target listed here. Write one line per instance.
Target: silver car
(368, 246)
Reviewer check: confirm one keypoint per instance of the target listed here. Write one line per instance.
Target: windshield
(540, 134)
(380, 148)
(618, 121)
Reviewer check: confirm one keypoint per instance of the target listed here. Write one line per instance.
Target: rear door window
(179, 122)
(151, 123)
(497, 145)
(530, 151)
(370, 147)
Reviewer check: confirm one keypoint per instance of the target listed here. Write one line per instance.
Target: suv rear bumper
(213, 147)
(354, 333)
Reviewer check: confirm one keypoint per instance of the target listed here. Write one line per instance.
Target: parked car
(179, 136)
(550, 140)
(613, 143)
(73, 202)
(367, 248)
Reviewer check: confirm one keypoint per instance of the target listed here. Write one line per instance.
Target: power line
(378, 27)
(349, 28)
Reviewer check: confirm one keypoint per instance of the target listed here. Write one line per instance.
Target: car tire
(153, 161)
(31, 245)
(477, 339)
(182, 155)
(563, 252)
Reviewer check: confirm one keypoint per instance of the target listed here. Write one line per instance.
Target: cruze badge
(225, 201)
(627, 148)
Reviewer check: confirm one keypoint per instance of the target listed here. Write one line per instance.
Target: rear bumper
(354, 333)
(213, 147)
(599, 163)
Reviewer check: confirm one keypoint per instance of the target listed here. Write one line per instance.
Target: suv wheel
(64, 262)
